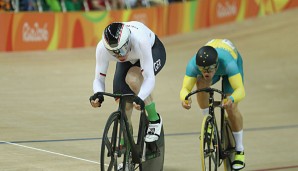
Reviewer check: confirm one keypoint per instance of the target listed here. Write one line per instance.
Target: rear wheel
(155, 153)
(209, 146)
(229, 146)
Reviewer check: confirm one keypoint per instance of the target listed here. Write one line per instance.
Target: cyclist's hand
(227, 103)
(96, 100)
(186, 104)
(138, 103)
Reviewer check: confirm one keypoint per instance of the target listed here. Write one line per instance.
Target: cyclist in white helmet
(140, 55)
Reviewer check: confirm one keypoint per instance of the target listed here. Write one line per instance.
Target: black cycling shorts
(159, 60)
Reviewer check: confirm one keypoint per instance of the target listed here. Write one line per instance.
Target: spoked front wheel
(115, 154)
(209, 146)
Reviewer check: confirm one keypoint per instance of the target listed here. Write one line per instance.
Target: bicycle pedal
(152, 151)
(151, 147)
(152, 155)
(120, 150)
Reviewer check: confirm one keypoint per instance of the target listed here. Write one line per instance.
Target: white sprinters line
(64, 155)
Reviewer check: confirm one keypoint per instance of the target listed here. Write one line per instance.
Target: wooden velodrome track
(47, 123)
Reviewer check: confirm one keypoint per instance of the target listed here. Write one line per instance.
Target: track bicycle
(120, 150)
(217, 143)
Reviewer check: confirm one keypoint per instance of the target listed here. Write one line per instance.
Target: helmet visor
(120, 52)
(208, 69)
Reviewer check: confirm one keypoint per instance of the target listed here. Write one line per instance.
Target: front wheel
(209, 147)
(115, 154)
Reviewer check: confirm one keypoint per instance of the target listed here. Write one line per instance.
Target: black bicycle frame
(136, 148)
(212, 105)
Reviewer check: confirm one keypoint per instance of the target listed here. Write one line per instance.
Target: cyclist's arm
(187, 86)
(237, 85)
(101, 68)
(146, 62)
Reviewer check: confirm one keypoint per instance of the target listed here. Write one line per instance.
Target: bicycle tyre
(111, 153)
(209, 145)
(229, 146)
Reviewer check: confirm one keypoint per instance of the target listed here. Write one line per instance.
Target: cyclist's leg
(202, 97)
(236, 121)
(234, 113)
(134, 79)
(120, 86)
(159, 60)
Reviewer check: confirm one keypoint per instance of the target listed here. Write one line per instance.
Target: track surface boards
(48, 124)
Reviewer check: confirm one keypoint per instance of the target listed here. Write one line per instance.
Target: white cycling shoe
(120, 167)
(153, 131)
(128, 167)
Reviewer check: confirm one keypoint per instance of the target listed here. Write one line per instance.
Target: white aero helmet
(116, 38)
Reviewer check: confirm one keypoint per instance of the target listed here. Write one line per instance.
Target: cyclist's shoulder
(101, 53)
(221, 43)
(100, 46)
(131, 23)
(224, 47)
(136, 26)
(191, 68)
